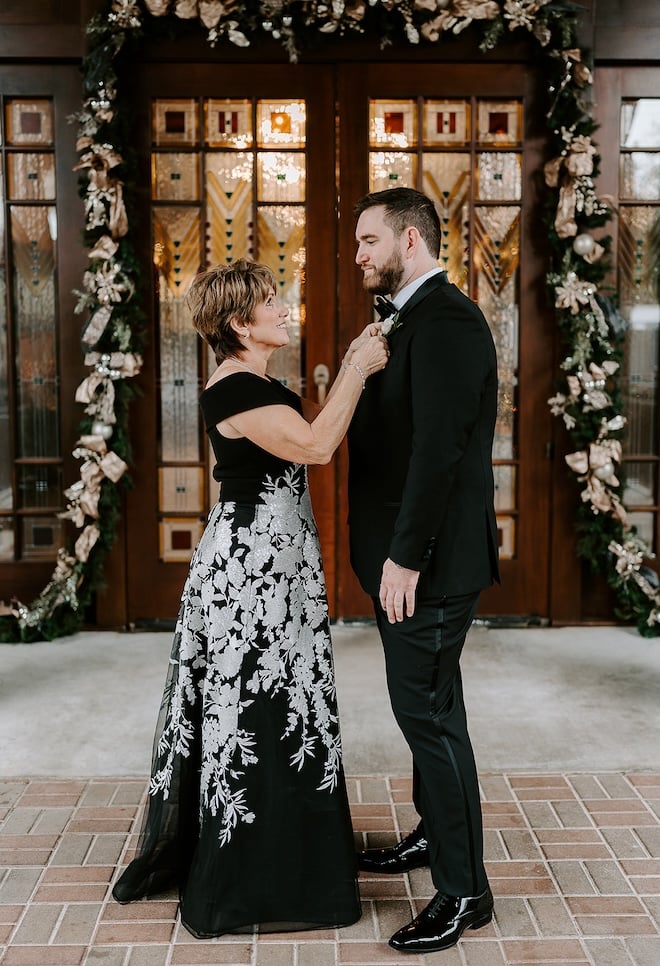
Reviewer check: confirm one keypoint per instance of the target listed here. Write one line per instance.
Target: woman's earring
(247, 335)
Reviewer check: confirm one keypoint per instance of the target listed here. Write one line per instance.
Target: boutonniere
(390, 324)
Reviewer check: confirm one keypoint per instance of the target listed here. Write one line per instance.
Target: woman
(247, 806)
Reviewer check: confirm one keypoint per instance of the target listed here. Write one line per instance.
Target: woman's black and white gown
(247, 807)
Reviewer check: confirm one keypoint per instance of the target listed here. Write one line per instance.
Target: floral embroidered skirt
(247, 807)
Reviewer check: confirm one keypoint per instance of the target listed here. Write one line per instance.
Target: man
(424, 542)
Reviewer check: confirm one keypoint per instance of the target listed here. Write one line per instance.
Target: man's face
(378, 253)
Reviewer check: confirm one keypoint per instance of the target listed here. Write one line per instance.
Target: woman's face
(269, 325)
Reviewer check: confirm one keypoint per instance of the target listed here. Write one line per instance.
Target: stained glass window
(474, 177)
(638, 257)
(228, 182)
(30, 458)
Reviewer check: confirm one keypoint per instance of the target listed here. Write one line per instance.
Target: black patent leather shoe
(411, 853)
(443, 922)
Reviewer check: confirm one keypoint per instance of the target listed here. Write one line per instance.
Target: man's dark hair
(405, 208)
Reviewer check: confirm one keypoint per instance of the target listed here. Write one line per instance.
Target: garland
(589, 402)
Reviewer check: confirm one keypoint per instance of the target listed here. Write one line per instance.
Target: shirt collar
(409, 290)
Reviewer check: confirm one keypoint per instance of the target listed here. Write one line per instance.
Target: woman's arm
(282, 431)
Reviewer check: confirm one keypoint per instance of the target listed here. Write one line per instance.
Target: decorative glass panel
(175, 177)
(41, 537)
(229, 207)
(281, 234)
(640, 385)
(505, 487)
(178, 539)
(640, 123)
(447, 182)
(29, 122)
(181, 489)
(496, 260)
(31, 177)
(639, 253)
(281, 176)
(499, 122)
(498, 176)
(506, 532)
(645, 523)
(33, 254)
(640, 176)
(6, 538)
(389, 169)
(6, 495)
(228, 123)
(281, 123)
(640, 483)
(175, 122)
(446, 123)
(39, 486)
(393, 124)
(177, 259)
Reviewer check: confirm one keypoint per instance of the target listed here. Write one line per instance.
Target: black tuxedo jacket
(420, 445)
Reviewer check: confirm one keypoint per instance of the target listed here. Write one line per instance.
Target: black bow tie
(385, 308)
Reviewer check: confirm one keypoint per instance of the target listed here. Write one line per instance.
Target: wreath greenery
(589, 399)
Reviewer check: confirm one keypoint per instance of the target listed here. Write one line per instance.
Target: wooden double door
(267, 162)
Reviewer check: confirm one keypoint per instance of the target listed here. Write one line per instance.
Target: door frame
(526, 588)
(150, 584)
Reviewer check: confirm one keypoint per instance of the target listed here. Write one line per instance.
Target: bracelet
(359, 371)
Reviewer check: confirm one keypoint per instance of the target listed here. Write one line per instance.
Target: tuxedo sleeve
(451, 356)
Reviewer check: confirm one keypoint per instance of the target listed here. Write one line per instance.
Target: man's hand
(397, 591)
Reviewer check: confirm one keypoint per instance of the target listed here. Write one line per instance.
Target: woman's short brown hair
(228, 292)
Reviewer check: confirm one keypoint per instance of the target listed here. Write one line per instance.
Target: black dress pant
(422, 655)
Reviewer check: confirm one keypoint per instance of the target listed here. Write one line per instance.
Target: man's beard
(385, 280)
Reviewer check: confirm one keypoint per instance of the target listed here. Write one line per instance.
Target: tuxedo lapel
(431, 285)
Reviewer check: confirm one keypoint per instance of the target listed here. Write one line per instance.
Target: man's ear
(412, 239)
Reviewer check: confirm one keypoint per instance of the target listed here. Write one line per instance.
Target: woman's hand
(370, 354)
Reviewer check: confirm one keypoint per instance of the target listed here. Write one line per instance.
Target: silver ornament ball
(605, 472)
(583, 244)
(101, 429)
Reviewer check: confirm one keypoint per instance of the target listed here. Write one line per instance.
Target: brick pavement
(573, 860)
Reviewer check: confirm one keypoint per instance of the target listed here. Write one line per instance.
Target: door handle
(321, 377)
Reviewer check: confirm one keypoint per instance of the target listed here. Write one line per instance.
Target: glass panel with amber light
(228, 123)
(280, 176)
(281, 241)
(393, 135)
(181, 489)
(499, 123)
(177, 256)
(281, 124)
(447, 180)
(496, 262)
(176, 233)
(175, 177)
(393, 124)
(229, 210)
(446, 123)
(389, 169)
(281, 222)
(498, 176)
(175, 122)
